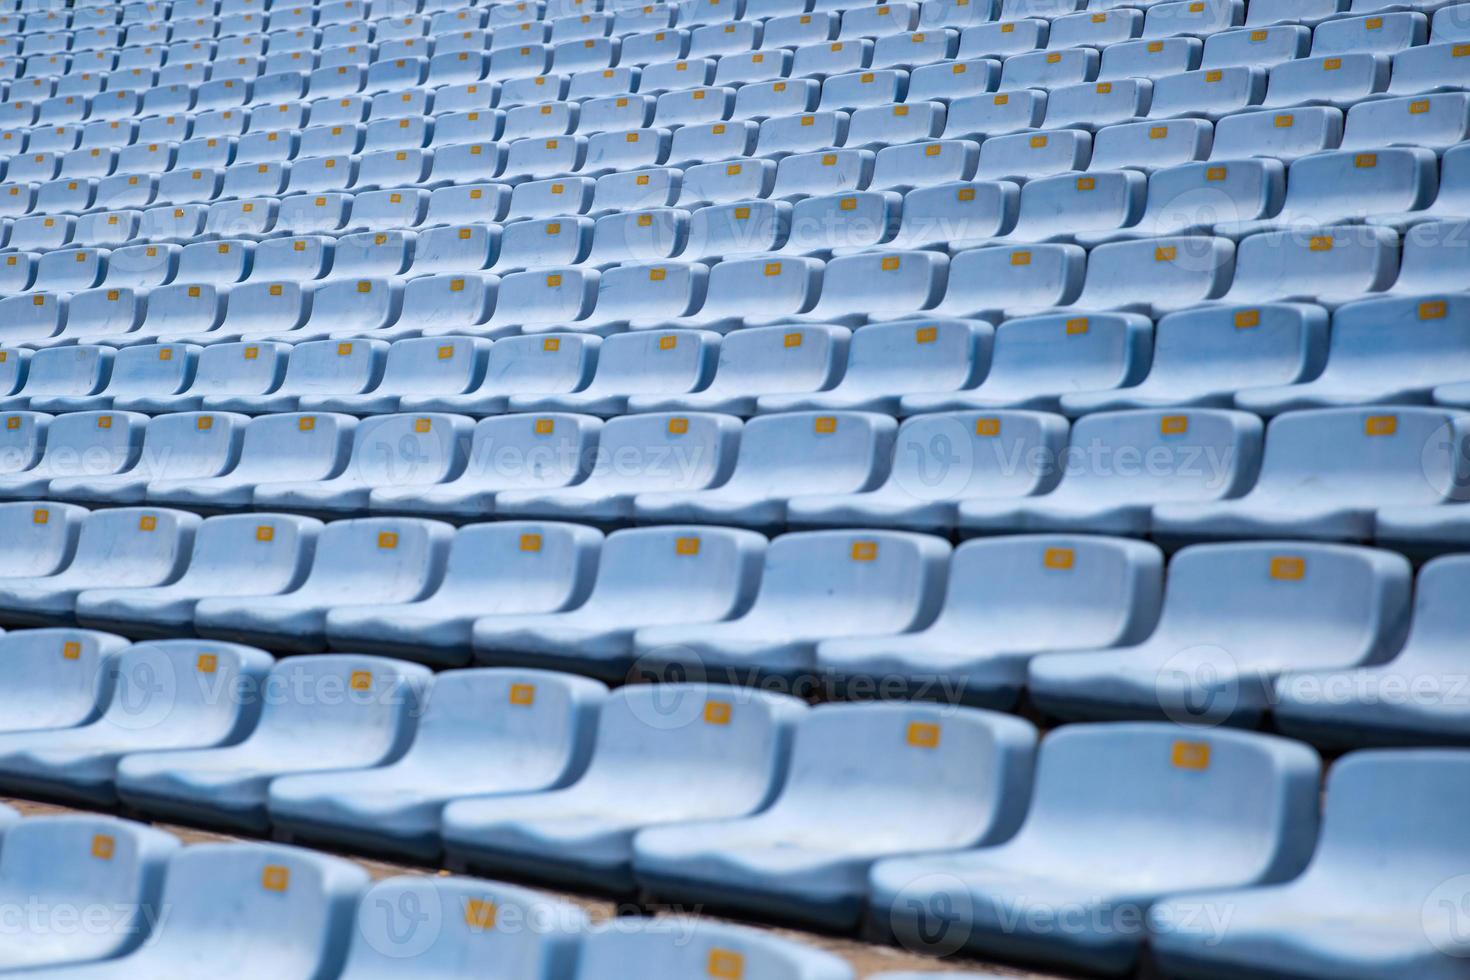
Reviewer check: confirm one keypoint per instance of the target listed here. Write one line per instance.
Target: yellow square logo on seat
(686, 546)
(987, 427)
(387, 540)
(1173, 425)
(1245, 319)
(1190, 755)
(147, 523)
(531, 542)
(825, 424)
(1061, 559)
(206, 663)
(1432, 310)
(422, 425)
(479, 913)
(306, 424)
(926, 335)
(265, 532)
(864, 551)
(1380, 425)
(361, 680)
(71, 650)
(1021, 258)
(275, 878)
(717, 713)
(204, 423)
(678, 426)
(1288, 568)
(103, 846)
(922, 735)
(1076, 326)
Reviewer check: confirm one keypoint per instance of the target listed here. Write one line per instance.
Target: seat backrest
(473, 926)
(201, 689)
(83, 444)
(369, 715)
(38, 539)
(671, 946)
(811, 452)
(241, 369)
(153, 369)
(22, 439)
(404, 449)
(378, 553)
(1199, 454)
(653, 361)
(79, 370)
(63, 676)
(270, 552)
(290, 911)
(188, 445)
(877, 582)
(520, 565)
(290, 446)
(548, 363)
(1252, 796)
(780, 359)
(334, 366)
(665, 452)
(953, 455)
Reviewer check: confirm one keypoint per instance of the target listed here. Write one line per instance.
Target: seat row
(1388, 351)
(810, 846)
(841, 609)
(153, 907)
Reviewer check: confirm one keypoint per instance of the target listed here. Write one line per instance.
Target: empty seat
(184, 446)
(56, 678)
(779, 456)
(1093, 783)
(221, 370)
(1100, 592)
(508, 567)
(713, 570)
(1203, 357)
(321, 366)
(1153, 275)
(239, 555)
(532, 365)
(816, 585)
(682, 944)
(1435, 121)
(1115, 497)
(276, 448)
(449, 760)
(1347, 607)
(424, 368)
(368, 723)
(804, 856)
(387, 451)
(1285, 135)
(635, 455)
(1190, 197)
(628, 786)
(113, 867)
(1327, 265)
(1326, 188)
(1382, 351)
(120, 548)
(1330, 80)
(1034, 361)
(80, 444)
(637, 363)
(1060, 207)
(1393, 807)
(1354, 460)
(373, 561)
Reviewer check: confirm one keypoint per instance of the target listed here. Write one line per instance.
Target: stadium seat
(338, 367)
(639, 363)
(137, 372)
(1203, 357)
(872, 285)
(1388, 807)
(646, 740)
(369, 722)
(238, 555)
(1190, 197)
(1348, 607)
(713, 571)
(1326, 265)
(83, 444)
(1155, 275)
(779, 456)
(395, 808)
(222, 370)
(424, 368)
(484, 910)
(185, 446)
(1101, 492)
(804, 857)
(1389, 351)
(1104, 592)
(1410, 700)
(1352, 461)
(375, 561)
(1252, 797)
(118, 548)
(1028, 368)
(508, 567)
(532, 365)
(681, 944)
(1332, 187)
(816, 585)
(112, 867)
(302, 901)
(1057, 208)
(56, 678)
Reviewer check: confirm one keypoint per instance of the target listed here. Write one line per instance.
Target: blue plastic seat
(676, 944)
(1324, 474)
(647, 738)
(233, 555)
(1116, 497)
(370, 722)
(805, 856)
(367, 562)
(460, 942)
(121, 547)
(80, 764)
(1389, 809)
(1242, 811)
(293, 907)
(1212, 660)
(1100, 592)
(395, 808)
(56, 678)
(816, 586)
